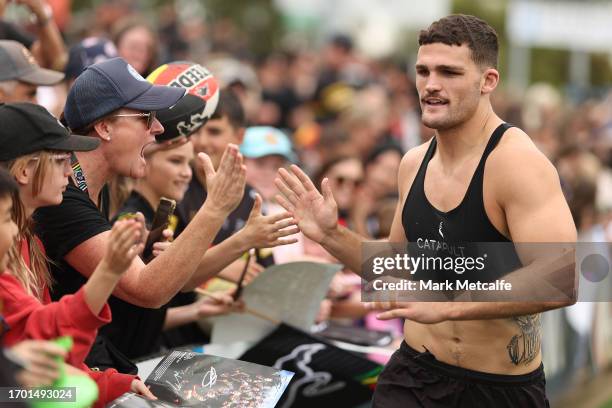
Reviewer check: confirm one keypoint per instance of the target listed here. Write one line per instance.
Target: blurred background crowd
(337, 79)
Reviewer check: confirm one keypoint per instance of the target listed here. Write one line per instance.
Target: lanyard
(79, 176)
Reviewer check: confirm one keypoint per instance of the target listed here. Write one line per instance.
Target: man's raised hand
(316, 215)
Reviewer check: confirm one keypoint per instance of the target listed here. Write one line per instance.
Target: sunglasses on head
(149, 115)
(60, 158)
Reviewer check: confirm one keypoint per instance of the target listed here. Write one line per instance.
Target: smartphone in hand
(165, 209)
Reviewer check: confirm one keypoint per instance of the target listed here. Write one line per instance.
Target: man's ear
(103, 129)
(490, 79)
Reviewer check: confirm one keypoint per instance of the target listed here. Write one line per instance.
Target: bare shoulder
(409, 166)
(516, 165)
(517, 145)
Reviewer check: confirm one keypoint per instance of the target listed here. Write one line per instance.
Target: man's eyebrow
(450, 68)
(441, 67)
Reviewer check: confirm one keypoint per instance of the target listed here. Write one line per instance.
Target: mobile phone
(161, 219)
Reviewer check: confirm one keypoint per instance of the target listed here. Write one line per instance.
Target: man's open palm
(316, 215)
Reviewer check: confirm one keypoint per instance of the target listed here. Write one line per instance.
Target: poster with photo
(188, 379)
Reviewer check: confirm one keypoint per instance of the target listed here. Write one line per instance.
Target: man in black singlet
(477, 180)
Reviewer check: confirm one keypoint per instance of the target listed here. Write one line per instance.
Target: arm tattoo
(524, 347)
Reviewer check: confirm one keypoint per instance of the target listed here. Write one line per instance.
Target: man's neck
(148, 193)
(462, 141)
(96, 171)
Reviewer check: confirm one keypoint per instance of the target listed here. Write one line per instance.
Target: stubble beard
(457, 114)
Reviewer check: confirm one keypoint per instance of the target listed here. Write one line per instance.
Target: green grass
(606, 404)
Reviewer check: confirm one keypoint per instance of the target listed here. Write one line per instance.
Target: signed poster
(188, 379)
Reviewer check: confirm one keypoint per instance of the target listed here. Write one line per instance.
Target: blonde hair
(37, 276)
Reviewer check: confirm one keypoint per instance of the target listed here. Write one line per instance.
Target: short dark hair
(230, 106)
(8, 186)
(458, 29)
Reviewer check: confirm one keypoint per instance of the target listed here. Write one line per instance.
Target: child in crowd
(209, 124)
(29, 363)
(168, 174)
(36, 150)
(211, 128)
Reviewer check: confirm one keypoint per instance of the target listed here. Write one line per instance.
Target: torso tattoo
(524, 347)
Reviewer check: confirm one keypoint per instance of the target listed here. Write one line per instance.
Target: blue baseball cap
(260, 141)
(112, 84)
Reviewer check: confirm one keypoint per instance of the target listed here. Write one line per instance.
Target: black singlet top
(458, 232)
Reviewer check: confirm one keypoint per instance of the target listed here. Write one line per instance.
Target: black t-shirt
(9, 31)
(135, 330)
(137, 203)
(187, 334)
(63, 227)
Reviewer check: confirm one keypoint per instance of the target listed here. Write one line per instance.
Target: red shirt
(29, 318)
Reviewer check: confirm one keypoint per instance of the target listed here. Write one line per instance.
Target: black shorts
(414, 379)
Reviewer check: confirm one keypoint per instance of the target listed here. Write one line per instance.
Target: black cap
(182, 119)
(28, 128)
(190, 113)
